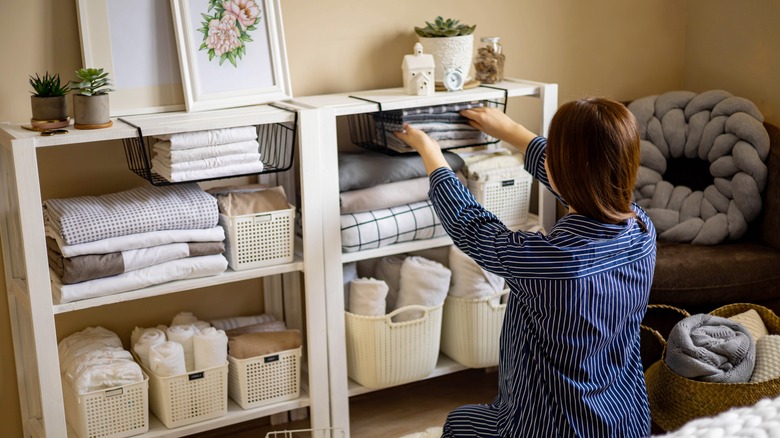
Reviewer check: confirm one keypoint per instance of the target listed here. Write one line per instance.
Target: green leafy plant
(48, 85)
(91, 82)
(441, 28)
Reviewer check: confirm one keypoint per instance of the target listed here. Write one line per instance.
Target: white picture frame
(134, 42)
(221, 70)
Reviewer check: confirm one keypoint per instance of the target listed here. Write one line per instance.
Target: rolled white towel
(389, 269)
(148, 338)
(184, 318)
(201, 325)
(469, 280)
(167, 359)
(183, 334)
(423, 282)
(210, 348)
(367, 296)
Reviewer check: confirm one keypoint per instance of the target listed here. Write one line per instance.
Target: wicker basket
(257, 240)
(471, 328)
(675, 400)
(109, 413)
(383, 353)
(262, 380)
(507, 198)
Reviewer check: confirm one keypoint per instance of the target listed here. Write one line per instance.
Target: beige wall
(613, 48)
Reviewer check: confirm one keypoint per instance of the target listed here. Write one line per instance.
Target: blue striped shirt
(569, 359)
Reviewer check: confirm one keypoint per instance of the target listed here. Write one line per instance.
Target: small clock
(453, 80)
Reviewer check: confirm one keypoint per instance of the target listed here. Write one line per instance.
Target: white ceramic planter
(449, 53)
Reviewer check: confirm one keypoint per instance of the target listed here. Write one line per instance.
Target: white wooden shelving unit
(319, 131)
(32, 307)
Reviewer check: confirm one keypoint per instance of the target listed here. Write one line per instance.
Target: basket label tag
(196, 376)
(114, 392)
(262, 218)
(270, 359)
(507, 183)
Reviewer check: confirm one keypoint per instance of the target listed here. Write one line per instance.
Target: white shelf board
(117, 131)
(444, 366)
(234, 415)
(228, 276)
(398, 248)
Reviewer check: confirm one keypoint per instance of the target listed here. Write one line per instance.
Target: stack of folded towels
(399, 281)
(257, 335)
(384, 199)
(93, 359)
(187, 345)
(737, 349)
(102, 245)
(216, 153)
(442, 123)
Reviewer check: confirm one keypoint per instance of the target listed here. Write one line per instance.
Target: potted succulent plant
(451, 44)
(48, 102)
(90, 103)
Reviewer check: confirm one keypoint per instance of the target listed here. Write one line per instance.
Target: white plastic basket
(382, 353)
(257, 240)
(508, 197)
(262, 380)
(471, 329)
(115, 412)
(188, 398)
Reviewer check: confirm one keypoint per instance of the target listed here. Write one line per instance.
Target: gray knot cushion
(702, 167)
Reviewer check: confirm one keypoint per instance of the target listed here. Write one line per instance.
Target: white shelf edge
(228, 276)
(397, 248)
(444, 366)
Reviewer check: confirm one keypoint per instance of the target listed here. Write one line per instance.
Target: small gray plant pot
(91, 110)
(52, 108)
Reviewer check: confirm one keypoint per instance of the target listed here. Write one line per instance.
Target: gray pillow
(368, 169)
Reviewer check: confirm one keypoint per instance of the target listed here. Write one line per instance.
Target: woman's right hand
(496, 123)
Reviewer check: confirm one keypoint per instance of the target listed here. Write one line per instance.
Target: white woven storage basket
(257, 240)
(262, 380)
(115, 412)
(471, 329)
(383, 353)
(508, 197)
(188, 398)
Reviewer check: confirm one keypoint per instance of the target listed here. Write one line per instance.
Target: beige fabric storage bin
(471, 329)
(382, 353)
(109, 413)
(262, 380)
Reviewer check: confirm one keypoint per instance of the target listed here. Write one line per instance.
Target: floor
(392, 412)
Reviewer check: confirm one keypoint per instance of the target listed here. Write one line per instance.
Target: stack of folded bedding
(493, 166)
(198, 155)
(187, 345)
(93, 359)
(384, 200)
(442, 123)
(103, 245)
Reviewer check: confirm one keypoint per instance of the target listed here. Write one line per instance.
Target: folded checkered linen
(139, 210)
(378, 228)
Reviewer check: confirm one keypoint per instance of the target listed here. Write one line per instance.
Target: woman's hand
(429, 149)
(496, 123)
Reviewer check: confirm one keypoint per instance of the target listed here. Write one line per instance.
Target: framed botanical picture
(231, 52)
(134, 42)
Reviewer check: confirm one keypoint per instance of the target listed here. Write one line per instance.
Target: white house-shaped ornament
(418, 73)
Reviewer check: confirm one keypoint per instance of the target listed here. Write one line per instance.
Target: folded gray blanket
(712, 349)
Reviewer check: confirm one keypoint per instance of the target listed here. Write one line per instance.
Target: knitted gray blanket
(712, 349)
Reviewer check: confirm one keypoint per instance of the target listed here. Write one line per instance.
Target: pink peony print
(245, 12)
(223, 35)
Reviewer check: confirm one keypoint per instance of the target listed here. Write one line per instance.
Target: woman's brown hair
(593, 157)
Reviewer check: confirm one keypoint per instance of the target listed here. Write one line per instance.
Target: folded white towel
(178, 156)
(189, 140)
(89, 339)
(183, 334)
(389, 269)
(767, 359)
(148, 338)
(184, 318)
(217, 172)
(167, 359)
(423, 282)
(159, 162)
(469, 280)
(108, 373)
(210, 348)
(367, 297)
(77, 371)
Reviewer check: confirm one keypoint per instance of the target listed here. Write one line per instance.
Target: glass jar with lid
(489, 63)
